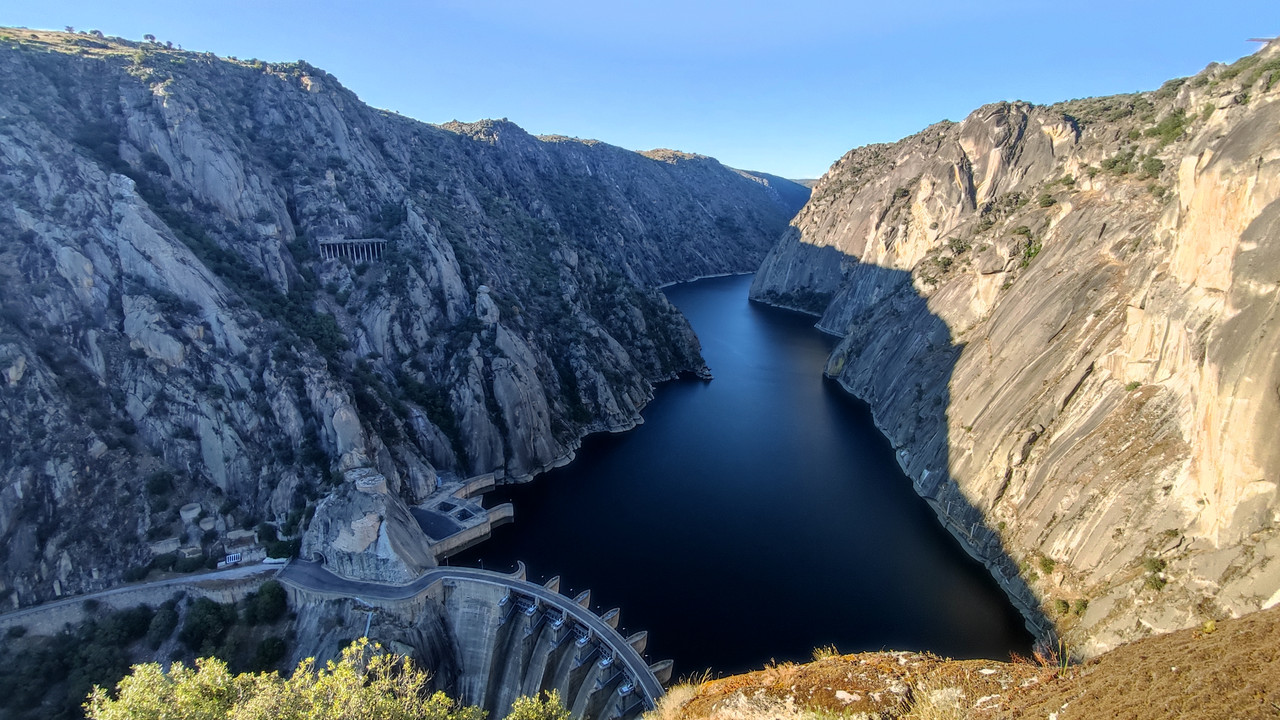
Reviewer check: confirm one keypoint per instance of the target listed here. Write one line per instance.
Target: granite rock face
(177, 324)
(1064, 318)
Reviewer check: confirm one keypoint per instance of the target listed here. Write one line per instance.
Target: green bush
(1132, 385)
(1062, 607)
(1047, 564)
(267, 605)
(1153, 565)
(1170, 128)
(187, 565)
(162, 624)
(269, 653)
(206, 623)
(165, 562)
(545, 706)
(267, 532)
(1046, 200)
(1030, 251)
(284, 548)
(365, 682)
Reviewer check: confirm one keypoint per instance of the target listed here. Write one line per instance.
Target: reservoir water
(754, 517)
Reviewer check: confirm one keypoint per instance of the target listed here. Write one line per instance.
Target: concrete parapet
(189, 512)
(52, 618)
(475, 485)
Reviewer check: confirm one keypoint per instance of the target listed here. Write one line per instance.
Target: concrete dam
(487, 637)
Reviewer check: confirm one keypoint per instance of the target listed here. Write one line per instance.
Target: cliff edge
(1065, 320)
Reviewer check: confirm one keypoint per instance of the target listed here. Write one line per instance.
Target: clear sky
(781, 86)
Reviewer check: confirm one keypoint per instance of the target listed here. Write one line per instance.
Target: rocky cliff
(1064, 318)
(230, 290)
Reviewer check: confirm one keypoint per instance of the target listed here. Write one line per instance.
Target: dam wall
(487, 637)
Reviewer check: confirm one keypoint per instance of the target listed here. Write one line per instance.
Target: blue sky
(785, 86)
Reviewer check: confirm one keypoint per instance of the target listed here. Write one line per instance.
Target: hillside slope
(1223, 670)
(177, 328)
(1064, 318)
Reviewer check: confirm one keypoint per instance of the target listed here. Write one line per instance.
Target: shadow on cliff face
(899, 357)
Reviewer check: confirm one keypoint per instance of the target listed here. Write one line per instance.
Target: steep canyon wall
(170, 332)
(1065, 319)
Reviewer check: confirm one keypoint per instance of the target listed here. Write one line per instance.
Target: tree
(149, 38)
(365, 683)
(546, 706)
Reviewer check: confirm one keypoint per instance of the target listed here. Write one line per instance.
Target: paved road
(231, 573)
(312, 576)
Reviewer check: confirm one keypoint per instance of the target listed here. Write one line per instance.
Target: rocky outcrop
(174, 327)
(1063, 318)
(361, 531)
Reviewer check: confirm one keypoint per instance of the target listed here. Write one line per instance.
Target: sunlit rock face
(1064, 318)
(176, 327)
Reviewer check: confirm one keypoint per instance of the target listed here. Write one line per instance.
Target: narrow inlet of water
(754, 517)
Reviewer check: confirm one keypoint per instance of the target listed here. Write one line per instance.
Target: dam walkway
(522, 598)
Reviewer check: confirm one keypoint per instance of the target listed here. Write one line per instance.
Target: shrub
(1170, 128)
(365, 682)
(1132, 385)
(1153, 565)
(270, 651)
(1046, 200)
(546, 706)
(284, 548)
(1152, 167)
(1062, 607)
(1047, 564)
(1030, 251)
(268, 604)
(162, 624)
(191, 564)
(1080, 607)
(207, 622)
(1155, 582)
(1022, 230)
(267, 532)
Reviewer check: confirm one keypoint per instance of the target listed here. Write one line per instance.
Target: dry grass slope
(1227, 670)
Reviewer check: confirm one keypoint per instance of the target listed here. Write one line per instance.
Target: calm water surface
(754, 517)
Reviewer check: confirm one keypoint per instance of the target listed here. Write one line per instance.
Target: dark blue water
(754, 517)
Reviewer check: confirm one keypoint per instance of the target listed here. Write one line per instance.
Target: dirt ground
(1231, 670)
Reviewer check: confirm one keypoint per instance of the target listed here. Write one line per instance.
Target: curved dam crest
(754, 517)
